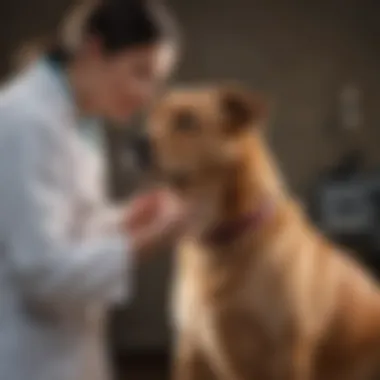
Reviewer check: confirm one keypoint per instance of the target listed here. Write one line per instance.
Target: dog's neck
(228, 231)
(248, 195)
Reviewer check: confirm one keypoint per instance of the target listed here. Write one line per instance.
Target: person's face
(124, 82)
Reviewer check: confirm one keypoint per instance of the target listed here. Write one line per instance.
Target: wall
(24, 21)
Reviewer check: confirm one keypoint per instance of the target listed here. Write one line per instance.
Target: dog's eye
(185, 122)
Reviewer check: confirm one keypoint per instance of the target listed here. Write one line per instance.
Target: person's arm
(51, 264)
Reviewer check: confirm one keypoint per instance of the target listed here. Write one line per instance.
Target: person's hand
(153, 219)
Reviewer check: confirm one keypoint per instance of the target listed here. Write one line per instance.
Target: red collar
(226, 232)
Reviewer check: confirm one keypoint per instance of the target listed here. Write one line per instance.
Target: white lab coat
(62, 257)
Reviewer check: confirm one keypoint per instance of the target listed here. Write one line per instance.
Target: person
(66, 253)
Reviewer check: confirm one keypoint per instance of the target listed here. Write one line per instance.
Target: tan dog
(259, 293)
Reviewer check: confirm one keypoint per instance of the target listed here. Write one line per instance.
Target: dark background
(299, 54)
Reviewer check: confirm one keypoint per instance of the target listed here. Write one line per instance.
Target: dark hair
(120, 24)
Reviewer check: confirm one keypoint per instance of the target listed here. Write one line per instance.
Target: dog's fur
(278, 301)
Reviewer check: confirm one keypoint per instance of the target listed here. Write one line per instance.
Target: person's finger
(142, 209)
(158, 220)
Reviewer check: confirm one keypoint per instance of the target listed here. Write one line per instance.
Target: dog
(259, 293)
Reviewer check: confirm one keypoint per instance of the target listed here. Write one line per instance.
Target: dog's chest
(239, 330)
(257, 295)
(186, 304)
(232, 339)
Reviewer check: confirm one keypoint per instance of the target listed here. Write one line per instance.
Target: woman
(65, 253)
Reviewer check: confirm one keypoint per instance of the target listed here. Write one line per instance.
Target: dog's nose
(143, 152)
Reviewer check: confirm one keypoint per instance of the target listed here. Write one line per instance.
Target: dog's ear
(241, 109)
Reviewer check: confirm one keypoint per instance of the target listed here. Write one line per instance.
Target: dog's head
(198, 133)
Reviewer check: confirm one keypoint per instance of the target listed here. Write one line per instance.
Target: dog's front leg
(190, 362)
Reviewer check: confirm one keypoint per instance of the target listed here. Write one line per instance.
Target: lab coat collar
(89, 127)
